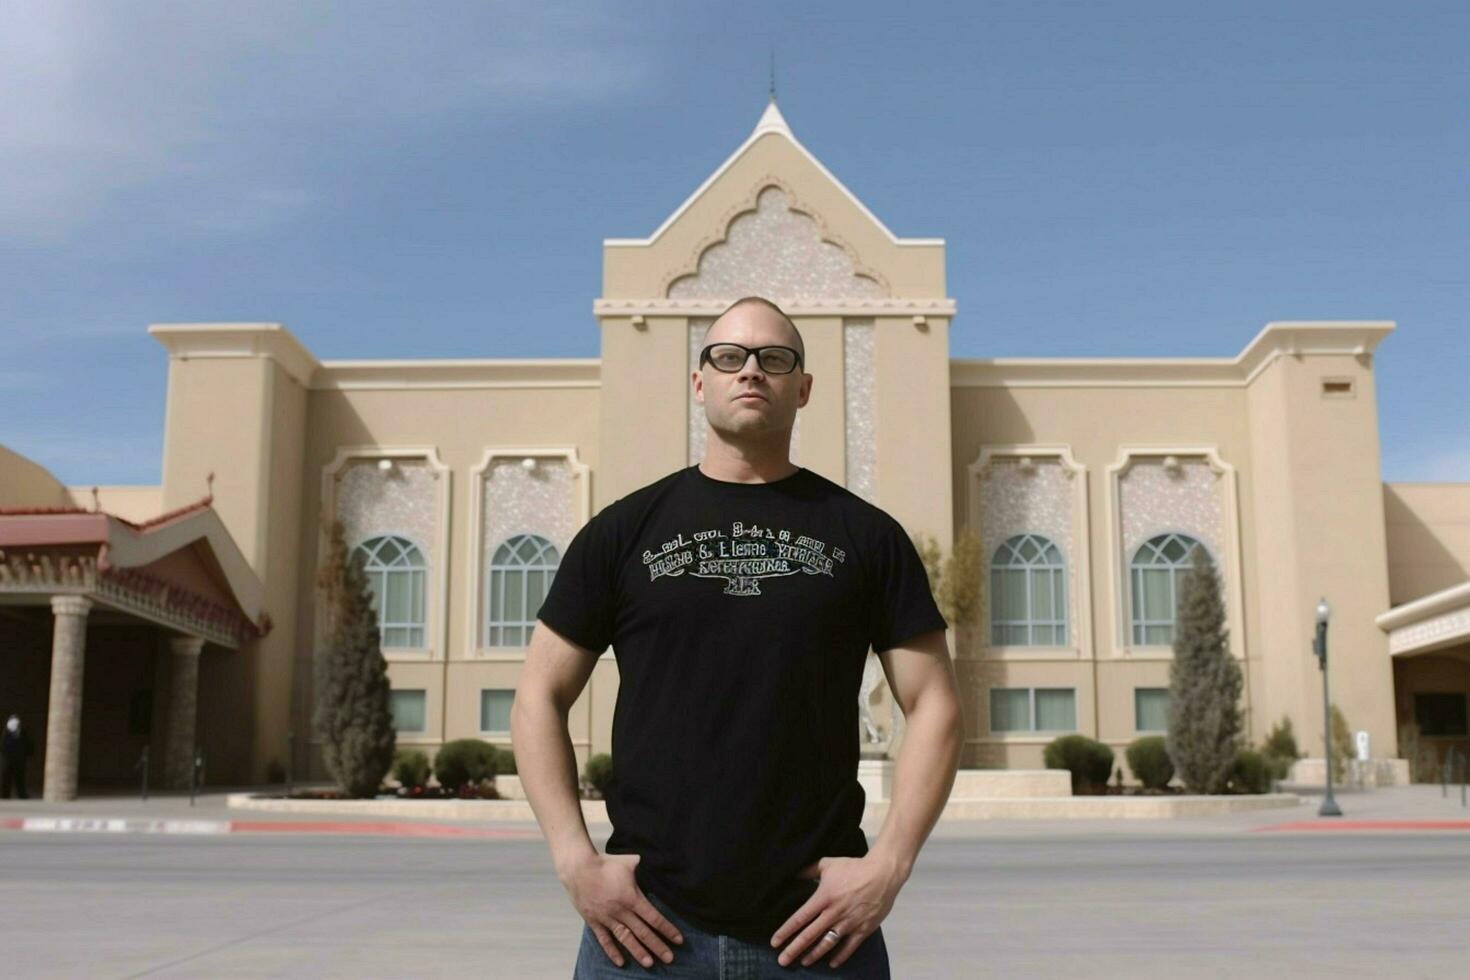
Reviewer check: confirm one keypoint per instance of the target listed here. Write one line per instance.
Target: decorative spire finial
(96, 501)
(209, 483)
(773, 72)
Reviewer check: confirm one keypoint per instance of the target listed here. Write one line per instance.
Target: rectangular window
(1033, 709)
(1056, 709)
(495, 710)
(1010, 709)
(1440, 714)
(1151, 709)
(409, 710)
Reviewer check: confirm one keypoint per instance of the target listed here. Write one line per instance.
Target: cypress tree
(1204, 683)
(353, 716)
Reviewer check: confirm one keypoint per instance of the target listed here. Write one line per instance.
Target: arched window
(521, 571)
(395, 569)
(1156, 573)
(1028, 589)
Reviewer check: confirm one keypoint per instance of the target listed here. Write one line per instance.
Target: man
(740, 597)
(15, 749)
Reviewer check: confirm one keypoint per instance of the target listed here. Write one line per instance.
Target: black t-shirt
(740, 615)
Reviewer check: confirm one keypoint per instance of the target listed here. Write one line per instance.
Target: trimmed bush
(1148, 757)
(464, 762)
(505, 762)
(598, 772)
(411, 768)
(1280, 749)
(1089, 761)
(1250, 772)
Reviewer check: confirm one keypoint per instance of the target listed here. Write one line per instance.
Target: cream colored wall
(461, 424)
(643, 404)
(26, 483)
(131, 503)
(1321, 533)
(1094, 422)
(823, 446)
(1428, 537)
(242, 418)
(913, 411)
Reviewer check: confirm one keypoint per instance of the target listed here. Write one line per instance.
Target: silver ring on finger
(833, 935)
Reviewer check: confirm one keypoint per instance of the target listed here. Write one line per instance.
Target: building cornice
(1278, 339)
(452, 374)
(191, 341)
(856, 307)
(1425, 607)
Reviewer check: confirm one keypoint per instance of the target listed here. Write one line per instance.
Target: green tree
(353, 716)
(1204, 683)
(958, 580)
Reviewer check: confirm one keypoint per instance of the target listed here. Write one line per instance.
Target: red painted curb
(1369, 825)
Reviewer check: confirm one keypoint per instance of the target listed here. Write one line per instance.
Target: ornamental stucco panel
(517, 500)
(697, 327)
(401, 500)
(778, 252)
(1154, 501)
(1039, 500)
(857, 395)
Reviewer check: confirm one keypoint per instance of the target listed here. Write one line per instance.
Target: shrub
(598, 772)
(505, 762)
(464, 762)
(1148, 757)
(1422, 766)
(1249, 773)
(411, 768)
(1089, 761)
(1280, 749)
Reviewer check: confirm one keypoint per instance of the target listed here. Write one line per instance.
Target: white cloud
(225, 99)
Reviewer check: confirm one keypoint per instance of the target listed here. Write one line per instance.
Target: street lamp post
(1329, 806)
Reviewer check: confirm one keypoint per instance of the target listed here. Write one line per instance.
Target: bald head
(711, 335)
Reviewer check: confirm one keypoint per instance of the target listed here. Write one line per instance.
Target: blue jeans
(707, 955)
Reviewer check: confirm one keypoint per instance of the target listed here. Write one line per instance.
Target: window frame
(1464, 713)
(1031, 728)
(492, 732)
(1138, 716)
(424, 694)
(418, 576)
(495, 577)
(1137, 627)
(1056, 573)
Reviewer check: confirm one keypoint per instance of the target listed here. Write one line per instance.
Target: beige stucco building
(1085, 477)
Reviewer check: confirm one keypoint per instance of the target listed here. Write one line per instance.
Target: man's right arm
(556, 672)
(602, 887)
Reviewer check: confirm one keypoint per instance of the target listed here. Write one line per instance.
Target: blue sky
(435, 180)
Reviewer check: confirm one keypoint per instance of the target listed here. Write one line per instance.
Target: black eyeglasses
(730, 358)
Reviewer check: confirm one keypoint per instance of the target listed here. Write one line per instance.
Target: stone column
(183, 699)
(64, 716)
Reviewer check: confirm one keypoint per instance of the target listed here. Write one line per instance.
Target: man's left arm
(855, 895)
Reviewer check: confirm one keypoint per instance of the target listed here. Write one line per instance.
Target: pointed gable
(772, 220)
